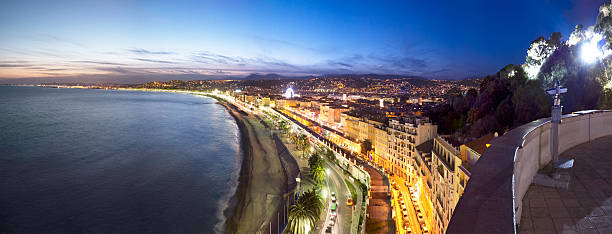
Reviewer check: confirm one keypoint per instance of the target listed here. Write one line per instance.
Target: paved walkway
(379, 218)
(586, 207)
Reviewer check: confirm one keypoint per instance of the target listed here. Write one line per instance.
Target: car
(334, 213)
(407, 229)
(332, 222)
(328, 229)
(349, 202)
(333, 194)
(403, 207)
(420, 218)
(333, 199)
(424, 229)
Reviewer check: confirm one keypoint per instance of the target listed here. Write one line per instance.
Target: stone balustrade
(492, 200)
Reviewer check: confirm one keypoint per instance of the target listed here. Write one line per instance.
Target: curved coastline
(237, 200)
(259, 191)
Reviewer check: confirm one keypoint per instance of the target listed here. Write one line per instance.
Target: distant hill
(273, 76)
(372, 76)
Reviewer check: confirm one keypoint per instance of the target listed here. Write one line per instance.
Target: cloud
(342, 64)
(208, 57)
(14, 65)
(145, 52)
(155, 61)
(116, 70)
(99, 63)
(403, 62)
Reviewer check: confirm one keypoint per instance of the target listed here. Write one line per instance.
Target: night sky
(434, 39)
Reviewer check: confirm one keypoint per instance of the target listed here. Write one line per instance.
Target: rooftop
(480, 145)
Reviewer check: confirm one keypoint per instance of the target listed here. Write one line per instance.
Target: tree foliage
(304, 214)
(504, 100)
(366, 146)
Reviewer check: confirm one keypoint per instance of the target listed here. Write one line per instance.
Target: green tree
(366, 146)
(530, 103)
(318, 172)
(313, 160)
(330, 155)
(304, 214)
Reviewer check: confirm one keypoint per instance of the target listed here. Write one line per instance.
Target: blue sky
(437, 39)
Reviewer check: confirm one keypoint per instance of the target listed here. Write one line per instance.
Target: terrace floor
(586, 207)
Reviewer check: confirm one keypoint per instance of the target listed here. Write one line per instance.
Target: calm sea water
(97, 161)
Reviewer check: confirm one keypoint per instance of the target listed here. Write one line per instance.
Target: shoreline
(261, 179)
(237, 199)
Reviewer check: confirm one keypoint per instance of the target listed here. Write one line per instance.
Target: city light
(289, 93)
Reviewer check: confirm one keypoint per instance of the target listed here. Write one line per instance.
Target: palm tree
(305, 212)
(318, 172)
(314, 200)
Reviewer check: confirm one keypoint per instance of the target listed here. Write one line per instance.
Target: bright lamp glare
(589, 53)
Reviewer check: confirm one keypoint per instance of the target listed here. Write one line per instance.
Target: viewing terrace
(500, 197)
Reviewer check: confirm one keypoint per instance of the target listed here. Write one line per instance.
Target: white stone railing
(534, 153)
(493, 198)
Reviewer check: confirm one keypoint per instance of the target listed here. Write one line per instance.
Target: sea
(114, 161)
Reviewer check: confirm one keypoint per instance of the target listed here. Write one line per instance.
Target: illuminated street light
(589, 53)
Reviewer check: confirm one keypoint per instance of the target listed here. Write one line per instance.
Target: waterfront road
(338, 185)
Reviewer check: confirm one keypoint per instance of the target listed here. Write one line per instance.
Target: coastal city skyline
(306, 117)
(459, 40)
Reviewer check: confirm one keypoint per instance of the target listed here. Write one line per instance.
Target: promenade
(259, 192)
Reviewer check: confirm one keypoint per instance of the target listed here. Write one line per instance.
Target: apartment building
(451, 167)
(404, 135)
